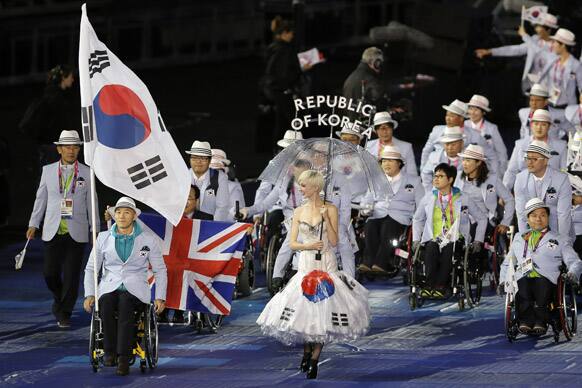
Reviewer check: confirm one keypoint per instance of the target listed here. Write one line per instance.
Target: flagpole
(522, 15)
(94, 237)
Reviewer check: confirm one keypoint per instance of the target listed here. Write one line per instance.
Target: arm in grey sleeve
(89, 280)
(481, 219)
(269, 201)
(512, 169)
(508, 200)
(418, 221)
(159, 269)
(516, 50)
(222, 199)
(411, 163)
(418, 193)
(564, 209)
(428, 148)
(500, 149)
(520, 200)
(262, 191)
(572, 260)
(40, 202)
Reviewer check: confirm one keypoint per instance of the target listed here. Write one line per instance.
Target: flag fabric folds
(203, 259)
(126, 141)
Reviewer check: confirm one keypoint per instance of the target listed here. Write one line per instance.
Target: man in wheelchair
(123, 255)
(441, 222)
(537, 255)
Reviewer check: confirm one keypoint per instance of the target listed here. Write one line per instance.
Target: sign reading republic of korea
(126, 141)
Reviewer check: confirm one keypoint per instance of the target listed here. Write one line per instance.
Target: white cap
(540, 147)
(69, 138)
(200, 148)
(391, 152)
(480, 102)
(289, 138)
(451, 134)
(473, 151)
(350, 129)
(124, 202)
(457, 107)
(538, 90)
(541, 115)
(564, 36)
(384, 118)
(220, 155)
(549, 20)
(534, 204)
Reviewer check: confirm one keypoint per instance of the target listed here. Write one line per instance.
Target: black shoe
(312, 371)
(64, 323)
(122, 366)
(109, 360)
(276, 284)
(305, 362)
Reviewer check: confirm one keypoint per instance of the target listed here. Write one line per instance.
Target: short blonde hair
(312, 178)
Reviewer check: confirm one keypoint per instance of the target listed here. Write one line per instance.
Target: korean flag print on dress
(126, 141)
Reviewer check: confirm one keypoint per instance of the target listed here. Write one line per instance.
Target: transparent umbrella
(342, 164)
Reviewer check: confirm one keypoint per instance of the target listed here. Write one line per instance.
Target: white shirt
(477, 125)
(394, 182)
(200, 181)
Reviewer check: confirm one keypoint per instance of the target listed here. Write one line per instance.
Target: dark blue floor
(434, 346)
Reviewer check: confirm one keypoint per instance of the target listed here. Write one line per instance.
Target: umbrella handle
(318, 256)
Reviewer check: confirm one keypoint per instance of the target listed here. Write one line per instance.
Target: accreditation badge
(67, 208)
(554, 95)
(526, 267)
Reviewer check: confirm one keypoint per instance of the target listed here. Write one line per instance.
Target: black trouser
(379, 234)
(534, 297)
(439, 263)
(274, 219)
(118, 334)
(62, 268)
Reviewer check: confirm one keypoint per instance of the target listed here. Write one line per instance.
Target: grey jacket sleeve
(222, 199)
(500, 149)
(159, 269)
(40, 203)
(481, 219)
(516, 50)
(419, 220)
(508, 200)
(428, 147)
(268, 202)
(512, 168)
(95, 255)
(564, 209)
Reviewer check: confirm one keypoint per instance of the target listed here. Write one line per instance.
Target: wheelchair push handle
(237, 214)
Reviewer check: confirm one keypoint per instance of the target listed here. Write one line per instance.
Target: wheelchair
(465, 277)
(145, 348)
(563, 311)
(275, 244)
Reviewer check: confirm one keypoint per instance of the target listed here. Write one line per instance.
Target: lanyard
(537, 244)
(62, 185)
(444, 209)
(558, 80)
(455, 162)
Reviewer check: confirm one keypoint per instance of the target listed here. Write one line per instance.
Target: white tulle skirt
(317, 305)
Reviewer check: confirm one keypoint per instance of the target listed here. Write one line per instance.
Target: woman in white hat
(532, 48)
(478, 107)
(538, 254)
(486, 190)
(384, 126)
(540, 127)
(452, 145)
(390, 215)
(562, 73)
(123, 254)
(220, 162)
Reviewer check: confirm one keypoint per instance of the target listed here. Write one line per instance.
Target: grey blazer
(556, 192)
(517, 162)
(373, 147)
(133, 274)
(422, 223)
(558, 128)
(490, 133)
(550, 253)
(47, 204)
(571, 81)
(217, 204)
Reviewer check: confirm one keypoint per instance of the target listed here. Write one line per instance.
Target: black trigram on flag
(98, 61)
(286, 314)
(148, 172)
(87, 119)
(339, 319)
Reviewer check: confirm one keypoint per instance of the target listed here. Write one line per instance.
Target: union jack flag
(203, 259)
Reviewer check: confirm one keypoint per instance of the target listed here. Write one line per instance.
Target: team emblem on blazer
(409, 188)
(464, 210)
(552, 244)
(490, 188)
(210, 192)
(81, 182)
(143, 252)
(551, 193)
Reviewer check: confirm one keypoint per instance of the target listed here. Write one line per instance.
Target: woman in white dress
(320, 304)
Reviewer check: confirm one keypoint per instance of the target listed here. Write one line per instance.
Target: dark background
(201, 61)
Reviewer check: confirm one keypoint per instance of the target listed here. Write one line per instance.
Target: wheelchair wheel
(567, 308)
(213, 321)
(96, 342)
(272, 251)
(246, 277)
(151, 337)
(472, 280)
(510, 318)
